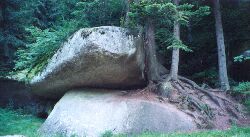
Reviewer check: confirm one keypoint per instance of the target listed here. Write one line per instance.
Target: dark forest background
(31, 31)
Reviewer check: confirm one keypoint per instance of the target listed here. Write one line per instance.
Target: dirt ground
(220, 114)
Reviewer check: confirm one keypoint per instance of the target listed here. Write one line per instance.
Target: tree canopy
(31, 31)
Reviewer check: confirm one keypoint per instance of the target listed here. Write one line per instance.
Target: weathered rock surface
(93, 112)
(101, 57)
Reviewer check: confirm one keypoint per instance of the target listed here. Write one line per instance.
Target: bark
(175, 53)
(7, 53)
(190, 37)
(223, 77)
(127, 5)
(152, 70)
(126, 23)
(1, 16)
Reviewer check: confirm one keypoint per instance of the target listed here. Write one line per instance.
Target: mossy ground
(16, 123)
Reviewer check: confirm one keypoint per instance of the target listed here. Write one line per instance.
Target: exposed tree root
(207, 92)
(193, 100)
(204, 105)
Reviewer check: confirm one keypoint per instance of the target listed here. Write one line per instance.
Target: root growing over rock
(210, 108)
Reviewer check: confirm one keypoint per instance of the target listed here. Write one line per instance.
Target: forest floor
(17, 123)
(209, 108)
(207, 114)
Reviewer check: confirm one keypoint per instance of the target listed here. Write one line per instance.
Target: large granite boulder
(101, 57)
(93, 112)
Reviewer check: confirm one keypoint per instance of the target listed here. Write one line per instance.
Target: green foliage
(236, 23)
(11, 23)
(184, 13)
(53, 21)
(108, 134)
(35, 56)
(243, 90)
(195, 13)
(165, 12)
(233, 132)
(241, 58)
(242, 87)
(161, 12)
(14, 122)
(197, 29)
(12, 30)
(99, 12)
(208, 76)
(200, 37)
(164, 37)
(247, 104)
(46, 13)
(178, 44)
(16, 15)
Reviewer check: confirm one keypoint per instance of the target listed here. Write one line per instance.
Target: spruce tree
(12, 32)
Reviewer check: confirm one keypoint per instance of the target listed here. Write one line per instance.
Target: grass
(17, 123)
(233, 132)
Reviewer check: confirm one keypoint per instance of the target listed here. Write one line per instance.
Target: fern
(241, 58)
(35, 56)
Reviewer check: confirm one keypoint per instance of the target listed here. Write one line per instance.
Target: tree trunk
(175, 53)
(127, 6)
(223, 77)
(190, 37)
(126, 22)
(152, 70)
(7, 52)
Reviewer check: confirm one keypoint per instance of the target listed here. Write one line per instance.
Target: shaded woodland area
(22, 20)
(194, 54)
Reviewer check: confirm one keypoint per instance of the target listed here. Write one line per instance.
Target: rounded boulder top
(100, 57)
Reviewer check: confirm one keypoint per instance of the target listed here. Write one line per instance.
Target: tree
(46, 13)
(12, 32)
(152, 69)
(52, 23)
(150, 14)
(223, 77)
(153, 15)
(100, 12)
(127, 7)
(185, 14)
(175, 54)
